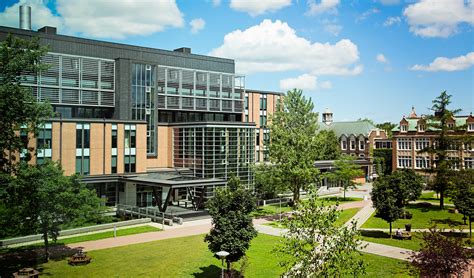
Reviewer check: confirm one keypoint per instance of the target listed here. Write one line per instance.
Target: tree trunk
(470, 227)
(296, 195)
(344, 198)
(228, 268)
(46, 245)
(441, 199)
(390, 229)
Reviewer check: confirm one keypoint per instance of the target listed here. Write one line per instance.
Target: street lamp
(222, 255)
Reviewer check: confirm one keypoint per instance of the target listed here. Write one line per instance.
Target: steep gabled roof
(355, 128)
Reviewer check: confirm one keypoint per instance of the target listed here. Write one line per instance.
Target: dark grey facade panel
(108, 50)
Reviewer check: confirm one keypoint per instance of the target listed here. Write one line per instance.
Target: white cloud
(448, 64)
(304, 82)
(381, 58)
(367, 13)
(392, 20)
(41, 15)
(334, 29)
(197, 25)
(274, 46)
(438, 18)
(216, 3)
(389, 2)
(258, 7)
(100, 18)
(322, 6)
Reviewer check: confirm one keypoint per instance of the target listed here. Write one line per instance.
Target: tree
(18, 107)
(315, 246)
(387, 126)
(327, 145)
(439, 121)
(385, 201)
(294, 146)
(440, 256)
(346, 171)
(407, 185)
(46, 199)
(232, 227)
(463, 195)
(382, 161)
(267, 184)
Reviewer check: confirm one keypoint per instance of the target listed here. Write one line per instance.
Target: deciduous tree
(315, 246)
(346, 172)
(293, 149)
(385, 201)
(232, 227)
(463, 195)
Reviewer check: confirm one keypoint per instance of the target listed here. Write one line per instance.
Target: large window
(469, 163)
(404, 162)
(82, 149)
(352, 144)
(143, 100)
(404, 143)
(422, 143)
(361, 143)
(422, 162)
(114, 149)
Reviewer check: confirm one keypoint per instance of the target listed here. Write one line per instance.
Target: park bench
(404, 235)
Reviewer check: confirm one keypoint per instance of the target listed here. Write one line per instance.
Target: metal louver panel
(90, 73)
(107, 98)
(187, 102)
(214, 104)
(50, 76)
(201, 104)
(70, 96)
(172, 102)
(238, 106)
(107, 73)
(161, 101)
(226, 105)
(90, 97)
(49, 94)
(70, 71)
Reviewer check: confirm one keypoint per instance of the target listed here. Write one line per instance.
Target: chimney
(327, 117)
(25, 17)
(186, 50)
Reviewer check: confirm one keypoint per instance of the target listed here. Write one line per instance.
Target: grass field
(343, 218)
(432, 197)
(189, 257)
(423, 218)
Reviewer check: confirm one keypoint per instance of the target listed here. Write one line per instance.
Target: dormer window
(470, 127)
(451, 125)
(404, 128)
(421, 127)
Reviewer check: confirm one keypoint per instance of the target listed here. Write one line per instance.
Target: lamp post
(222, 255)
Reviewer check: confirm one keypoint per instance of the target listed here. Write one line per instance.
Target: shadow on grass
(447, 221)
(14, 259)
(208, 271)
(374, 234)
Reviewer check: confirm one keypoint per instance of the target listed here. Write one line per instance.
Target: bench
(404, 235)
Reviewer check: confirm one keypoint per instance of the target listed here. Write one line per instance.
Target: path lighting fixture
(222, 255)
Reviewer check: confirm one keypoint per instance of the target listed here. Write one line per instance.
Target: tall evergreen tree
(294, 147)
(439, 121)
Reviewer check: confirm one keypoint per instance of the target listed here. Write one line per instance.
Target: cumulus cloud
(448, 64)
(274, 46)
(381, 58)
(216, 3)
(41, 15)
(197, 25)
(304, 82)
(438, 18)
(255, 8)
(392, 20)
(322, 6)
(367, 13)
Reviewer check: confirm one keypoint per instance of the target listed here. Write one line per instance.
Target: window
(82, 149)
(470, 127)
(263, 120)
(129, 148)
(404, 162)
(469, 163)
(404, 128)
(421, 143)
(451, 125)
(353, 144)
(422, 162)
(343, 144)
(361, 143)
(404, 143)
(421, 127)
(263, 102)
(114, 149)
(44, 143)
(246, 102)
(257, 137)
(266, 136)
(469, 147)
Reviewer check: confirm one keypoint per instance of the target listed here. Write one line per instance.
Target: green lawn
(189, 257)
(343, 218)
(432, 197)
(274, 209)
(413, 244)
(423, 217)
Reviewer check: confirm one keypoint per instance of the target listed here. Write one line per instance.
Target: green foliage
(463, 194)
(346, 171)
(387, 126)
(439, 121)
(327, 145)
(382, 161)
(294, 146)
(18, 107)
(316, 246)
(40, 199)
(267, 183)
(232, 227)
(407, 185)
(385, 201)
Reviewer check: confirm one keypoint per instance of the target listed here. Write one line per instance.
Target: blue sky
(366, 58)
